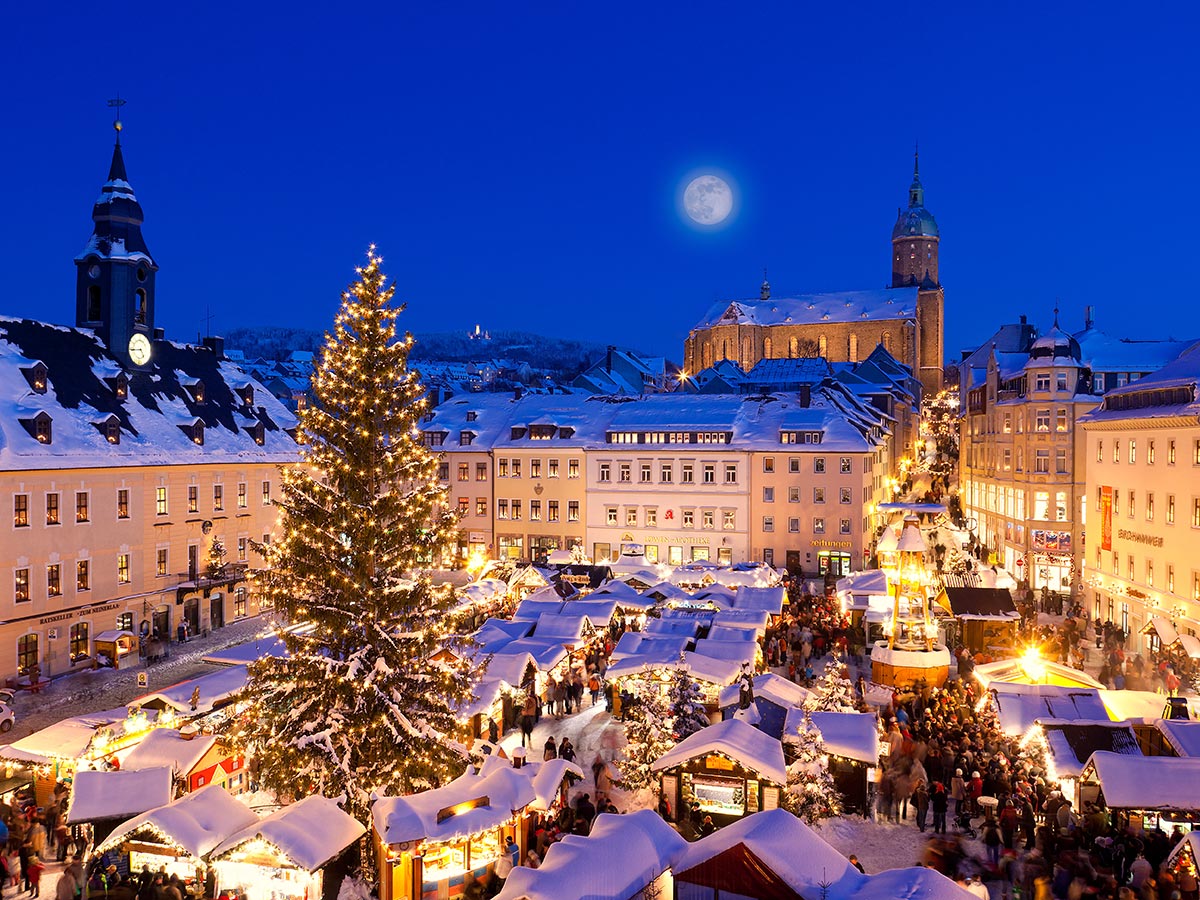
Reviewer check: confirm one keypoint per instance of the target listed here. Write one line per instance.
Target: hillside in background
(568, 357)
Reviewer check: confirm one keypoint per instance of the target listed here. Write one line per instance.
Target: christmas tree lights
(359, 707)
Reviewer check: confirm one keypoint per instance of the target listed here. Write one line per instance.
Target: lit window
(123, 568)
(81, 506)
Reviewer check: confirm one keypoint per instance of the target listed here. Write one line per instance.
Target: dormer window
(110, 427)
(466, 438)
(194, 431)
(259, 432)
(196, 389)
(518, 432)
(120, 385)
(566, 432)
(39, 427)
(37, 376)
(246, 395)
(472, 415)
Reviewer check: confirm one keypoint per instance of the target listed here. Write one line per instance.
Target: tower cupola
(114, 284)
(915, 238)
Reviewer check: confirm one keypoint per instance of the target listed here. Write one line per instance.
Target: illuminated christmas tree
(216, 559)
(833, 691)
(647, 734)
(811, 791)
(688, 714)
(364, 703)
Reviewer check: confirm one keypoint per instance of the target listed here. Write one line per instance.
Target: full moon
(708, 200)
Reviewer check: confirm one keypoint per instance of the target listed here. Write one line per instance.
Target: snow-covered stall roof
(495, 634)
(530, 610)
(1182, 735)
(710, 669)
(751, 748)
(1140, 704)
(1069, 745)
(68, 739)
(768, 686)
(1147, 782)
(547, 777)
(735, 651)
(732, 633)
(770, 599)
(166, 747)
(1013, 671)
(309, 833)
(196, 822)
(651, 645)
(787, 846)
(1019, 706)
(597, 610)
(215, 689)
(562, 627)
(847, 734)
(666, 591)
(416, 817)
(582, 868)
(686, 627)
(858, 588)
(741, 618)
(118, 795)
(242, 654)
(546, 654)
(510, 667)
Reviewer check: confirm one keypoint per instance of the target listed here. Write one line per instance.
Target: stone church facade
(907, 317)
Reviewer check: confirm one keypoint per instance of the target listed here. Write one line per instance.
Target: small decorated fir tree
(686, 699)
(360, 705)
(833, 691)
(647, 733)
(811, 791)
(216, 559)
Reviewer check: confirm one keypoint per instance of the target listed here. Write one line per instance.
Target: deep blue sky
(518, 164)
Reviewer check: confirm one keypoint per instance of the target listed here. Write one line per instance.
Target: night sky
(519, 165)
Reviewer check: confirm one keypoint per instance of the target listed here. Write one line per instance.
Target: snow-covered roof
(79, 392)
(675, 627)
(741, 618)
(770, 599)
(510, 667)
(1069, 745)
(548, 777)
(732, 633)
(1147, 782)
(738, 651)
(118, 795)
(582, 868)
(1013, 672)
(68, 739)
(847, 734)
(751, 748)
(1182, 735)
(788, 847)
(309, 833)
(710, 669)
(215, 689)
(196, 822)
(415, 817)
(647, 645)
(1019, 706)
(1146, 705)
(837, 306)
(768, 686)
(166, 747)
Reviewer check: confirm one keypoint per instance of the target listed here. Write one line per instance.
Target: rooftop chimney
(608, 359)
(1089, 317)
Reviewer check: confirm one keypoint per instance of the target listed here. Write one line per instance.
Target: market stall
(106, 799)
(436, 843)
(730, 769)
(195, 759)
(851, 742)
(984, 620)
(179, 836)
(118, 649)
(1143, 792)
(282, 857)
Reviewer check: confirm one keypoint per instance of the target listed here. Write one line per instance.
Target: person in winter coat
(1008, 823)
(921, 802)
(35, 869)
(991, 840)
(958, 792)
(939, 799)
(566, 750)
(551, 751)
(37, 837)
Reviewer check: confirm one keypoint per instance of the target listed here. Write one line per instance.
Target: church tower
(915, 242)
(114, 282)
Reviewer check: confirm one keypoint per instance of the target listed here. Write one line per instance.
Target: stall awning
(749, 747)
(309, 833)
(1163, 629)
(1146, 782)
(96, 796)
(1190, 644)
(196, 822)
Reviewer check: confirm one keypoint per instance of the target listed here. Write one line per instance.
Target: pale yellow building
(1142, 460)
(124, 458)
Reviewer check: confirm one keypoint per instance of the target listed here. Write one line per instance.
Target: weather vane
(116, 105)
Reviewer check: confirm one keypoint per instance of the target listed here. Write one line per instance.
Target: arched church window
(887, 341)
(766, 348)
(853, 348)
(822, 346)
(793, 348)
(93, 303)
(139, 313)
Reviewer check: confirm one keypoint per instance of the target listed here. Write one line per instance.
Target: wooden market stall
(851, 741)
(730, 769)
(436, 843)
(283, 857)
(196, 760)
(982, 619)
(179, 836)
(118, 649)
(104, 800)
(1143, 792)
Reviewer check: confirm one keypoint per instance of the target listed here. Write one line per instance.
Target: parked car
(7, 717)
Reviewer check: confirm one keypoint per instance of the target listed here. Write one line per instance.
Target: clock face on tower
(139, 349)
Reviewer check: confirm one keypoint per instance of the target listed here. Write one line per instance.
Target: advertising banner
(1105, 518)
